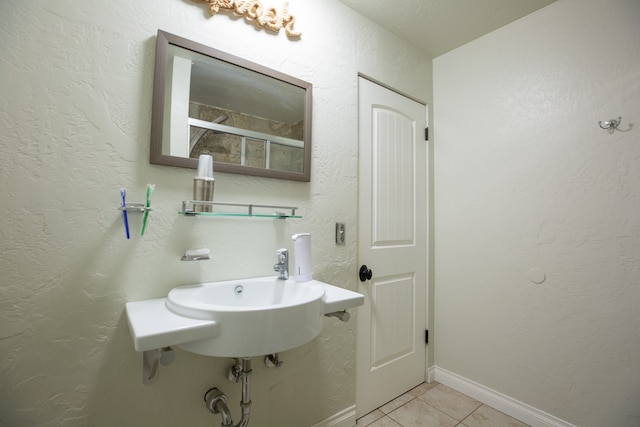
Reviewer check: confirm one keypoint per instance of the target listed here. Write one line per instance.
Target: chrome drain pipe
(217, 401)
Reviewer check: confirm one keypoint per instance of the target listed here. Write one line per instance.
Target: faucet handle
(282, 267)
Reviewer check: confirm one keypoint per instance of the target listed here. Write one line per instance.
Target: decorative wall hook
(610, 125)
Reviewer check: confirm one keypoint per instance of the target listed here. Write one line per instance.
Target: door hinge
(426, 336)
(426, 134)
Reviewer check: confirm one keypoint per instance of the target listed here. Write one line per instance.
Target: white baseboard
(514, 408)
(344, 418)
(431, 374)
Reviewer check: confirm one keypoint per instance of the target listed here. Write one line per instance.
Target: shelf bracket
(151, 359)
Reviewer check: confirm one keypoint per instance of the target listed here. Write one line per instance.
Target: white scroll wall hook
(610, 125)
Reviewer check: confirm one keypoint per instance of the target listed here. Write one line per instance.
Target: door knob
(365, 273)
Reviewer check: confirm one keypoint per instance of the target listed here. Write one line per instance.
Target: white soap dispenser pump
(302, 254)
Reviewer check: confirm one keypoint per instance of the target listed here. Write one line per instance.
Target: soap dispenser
(302, 256)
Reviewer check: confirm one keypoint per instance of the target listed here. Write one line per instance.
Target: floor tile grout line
(472, 412)
(429, 405)
(412, 397)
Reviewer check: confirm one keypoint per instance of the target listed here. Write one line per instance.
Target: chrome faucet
(282, 266)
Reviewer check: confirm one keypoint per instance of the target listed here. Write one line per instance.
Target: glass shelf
(201, 208)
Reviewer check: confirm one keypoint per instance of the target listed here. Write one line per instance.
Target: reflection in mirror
(250, 119)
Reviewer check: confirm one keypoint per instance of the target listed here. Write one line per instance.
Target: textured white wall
(75, 107)
(525, 179)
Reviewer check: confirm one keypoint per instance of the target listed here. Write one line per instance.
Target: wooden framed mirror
(251, 119)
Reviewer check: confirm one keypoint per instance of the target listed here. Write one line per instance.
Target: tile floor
(436, 405)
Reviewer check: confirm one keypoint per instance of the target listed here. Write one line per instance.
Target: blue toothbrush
(124, 211)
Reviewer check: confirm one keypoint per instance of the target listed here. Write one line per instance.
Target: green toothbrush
(150, 188)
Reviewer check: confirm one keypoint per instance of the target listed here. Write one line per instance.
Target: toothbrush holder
(203, 191)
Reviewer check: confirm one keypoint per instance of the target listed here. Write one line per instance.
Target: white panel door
(392, 242)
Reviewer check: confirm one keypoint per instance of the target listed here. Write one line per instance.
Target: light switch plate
(340, 233)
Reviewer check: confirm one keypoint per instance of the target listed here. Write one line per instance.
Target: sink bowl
(255, 316)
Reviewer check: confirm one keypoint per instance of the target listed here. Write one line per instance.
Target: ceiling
(438, 26)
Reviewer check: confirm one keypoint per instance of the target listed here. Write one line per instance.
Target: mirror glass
(251, 119)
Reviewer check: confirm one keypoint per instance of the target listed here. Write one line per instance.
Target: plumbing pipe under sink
(217, 401)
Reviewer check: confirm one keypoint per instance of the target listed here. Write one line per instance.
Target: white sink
(254, 316)
(268, 316)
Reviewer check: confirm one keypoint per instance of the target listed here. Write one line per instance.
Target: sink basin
(218, 319)
(255, 317)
